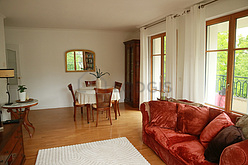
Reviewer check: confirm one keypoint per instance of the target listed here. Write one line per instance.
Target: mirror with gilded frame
(79, 60)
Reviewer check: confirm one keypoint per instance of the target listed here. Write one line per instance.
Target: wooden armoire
(132, 72)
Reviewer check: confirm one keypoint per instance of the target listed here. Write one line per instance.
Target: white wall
(42, 60)
(134, 35)
(3, 95)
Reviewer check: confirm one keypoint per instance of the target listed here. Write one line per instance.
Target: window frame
(84, 60)
(231, 18)
(163, 54)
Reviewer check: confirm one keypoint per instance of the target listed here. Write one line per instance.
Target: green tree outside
(241, 62)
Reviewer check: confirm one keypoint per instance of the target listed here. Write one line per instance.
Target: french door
(227, 62)
(12, 62)
(158, 63)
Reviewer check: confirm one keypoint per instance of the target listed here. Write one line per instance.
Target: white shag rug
(107, 152)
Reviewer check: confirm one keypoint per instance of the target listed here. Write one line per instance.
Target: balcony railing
(239, 85)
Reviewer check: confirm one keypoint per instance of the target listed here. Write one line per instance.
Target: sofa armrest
(235, 154)
(145, 113)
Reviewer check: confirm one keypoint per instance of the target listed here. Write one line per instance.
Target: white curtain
(171, 56)
(194, 62)
(144, 66)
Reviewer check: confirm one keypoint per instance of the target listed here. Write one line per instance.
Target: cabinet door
(132, 78)
(136, 75)
(132, 72)
(127, 76)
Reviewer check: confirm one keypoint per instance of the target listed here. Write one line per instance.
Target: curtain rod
(202, 6)
(164, 19)
(155, 23)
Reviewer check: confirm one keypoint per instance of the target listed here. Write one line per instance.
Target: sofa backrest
(163, 114)
(214, 112)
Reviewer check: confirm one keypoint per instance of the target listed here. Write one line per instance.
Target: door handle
(227, 87)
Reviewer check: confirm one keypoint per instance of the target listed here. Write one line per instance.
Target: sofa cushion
(167, 137)
(192, 119)
(214, 127)
(214, 112)
(190, 152)
(243, 124)
(224, 138)
(163, 114)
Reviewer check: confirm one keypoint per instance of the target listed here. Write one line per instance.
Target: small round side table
(16, 110)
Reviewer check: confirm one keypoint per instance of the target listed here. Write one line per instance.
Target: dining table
(87, 96)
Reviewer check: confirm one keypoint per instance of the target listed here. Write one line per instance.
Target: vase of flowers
(98, 76)
(22, 93)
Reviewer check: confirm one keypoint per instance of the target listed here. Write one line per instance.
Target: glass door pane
(131, 74)
(156, 46)
(216, 72)
(240, 80)
(216, 63)
(164, 44)
(164, 69)
(217, 36)
(156, 77)
(11, 61)
(128, 84)
(12, 64)
(242, 33)
(164, 84)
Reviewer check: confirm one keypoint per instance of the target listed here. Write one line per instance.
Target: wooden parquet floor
(55, 128)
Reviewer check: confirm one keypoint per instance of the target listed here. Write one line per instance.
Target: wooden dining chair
(103, 103)
(76, 104)
(90, 83)
(118, 86)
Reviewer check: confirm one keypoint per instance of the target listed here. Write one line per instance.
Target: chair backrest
(103, 97)
(72, 92)
(90, 83)
(118, 85)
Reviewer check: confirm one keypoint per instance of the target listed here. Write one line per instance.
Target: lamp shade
(6, 73)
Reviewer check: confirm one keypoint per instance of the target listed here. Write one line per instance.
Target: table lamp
(7, 73)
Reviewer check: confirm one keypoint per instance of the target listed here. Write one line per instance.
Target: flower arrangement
(99, 74)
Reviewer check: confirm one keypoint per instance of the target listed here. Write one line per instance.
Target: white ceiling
(122, 15)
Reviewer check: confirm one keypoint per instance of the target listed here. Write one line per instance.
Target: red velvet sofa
(162, 132)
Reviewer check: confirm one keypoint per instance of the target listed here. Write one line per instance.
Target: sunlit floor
(55, 128)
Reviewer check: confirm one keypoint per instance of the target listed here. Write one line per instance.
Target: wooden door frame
(231, 52)
(161, 35)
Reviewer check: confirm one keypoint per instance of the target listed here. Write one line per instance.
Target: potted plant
(98, 76)
(22, 93)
